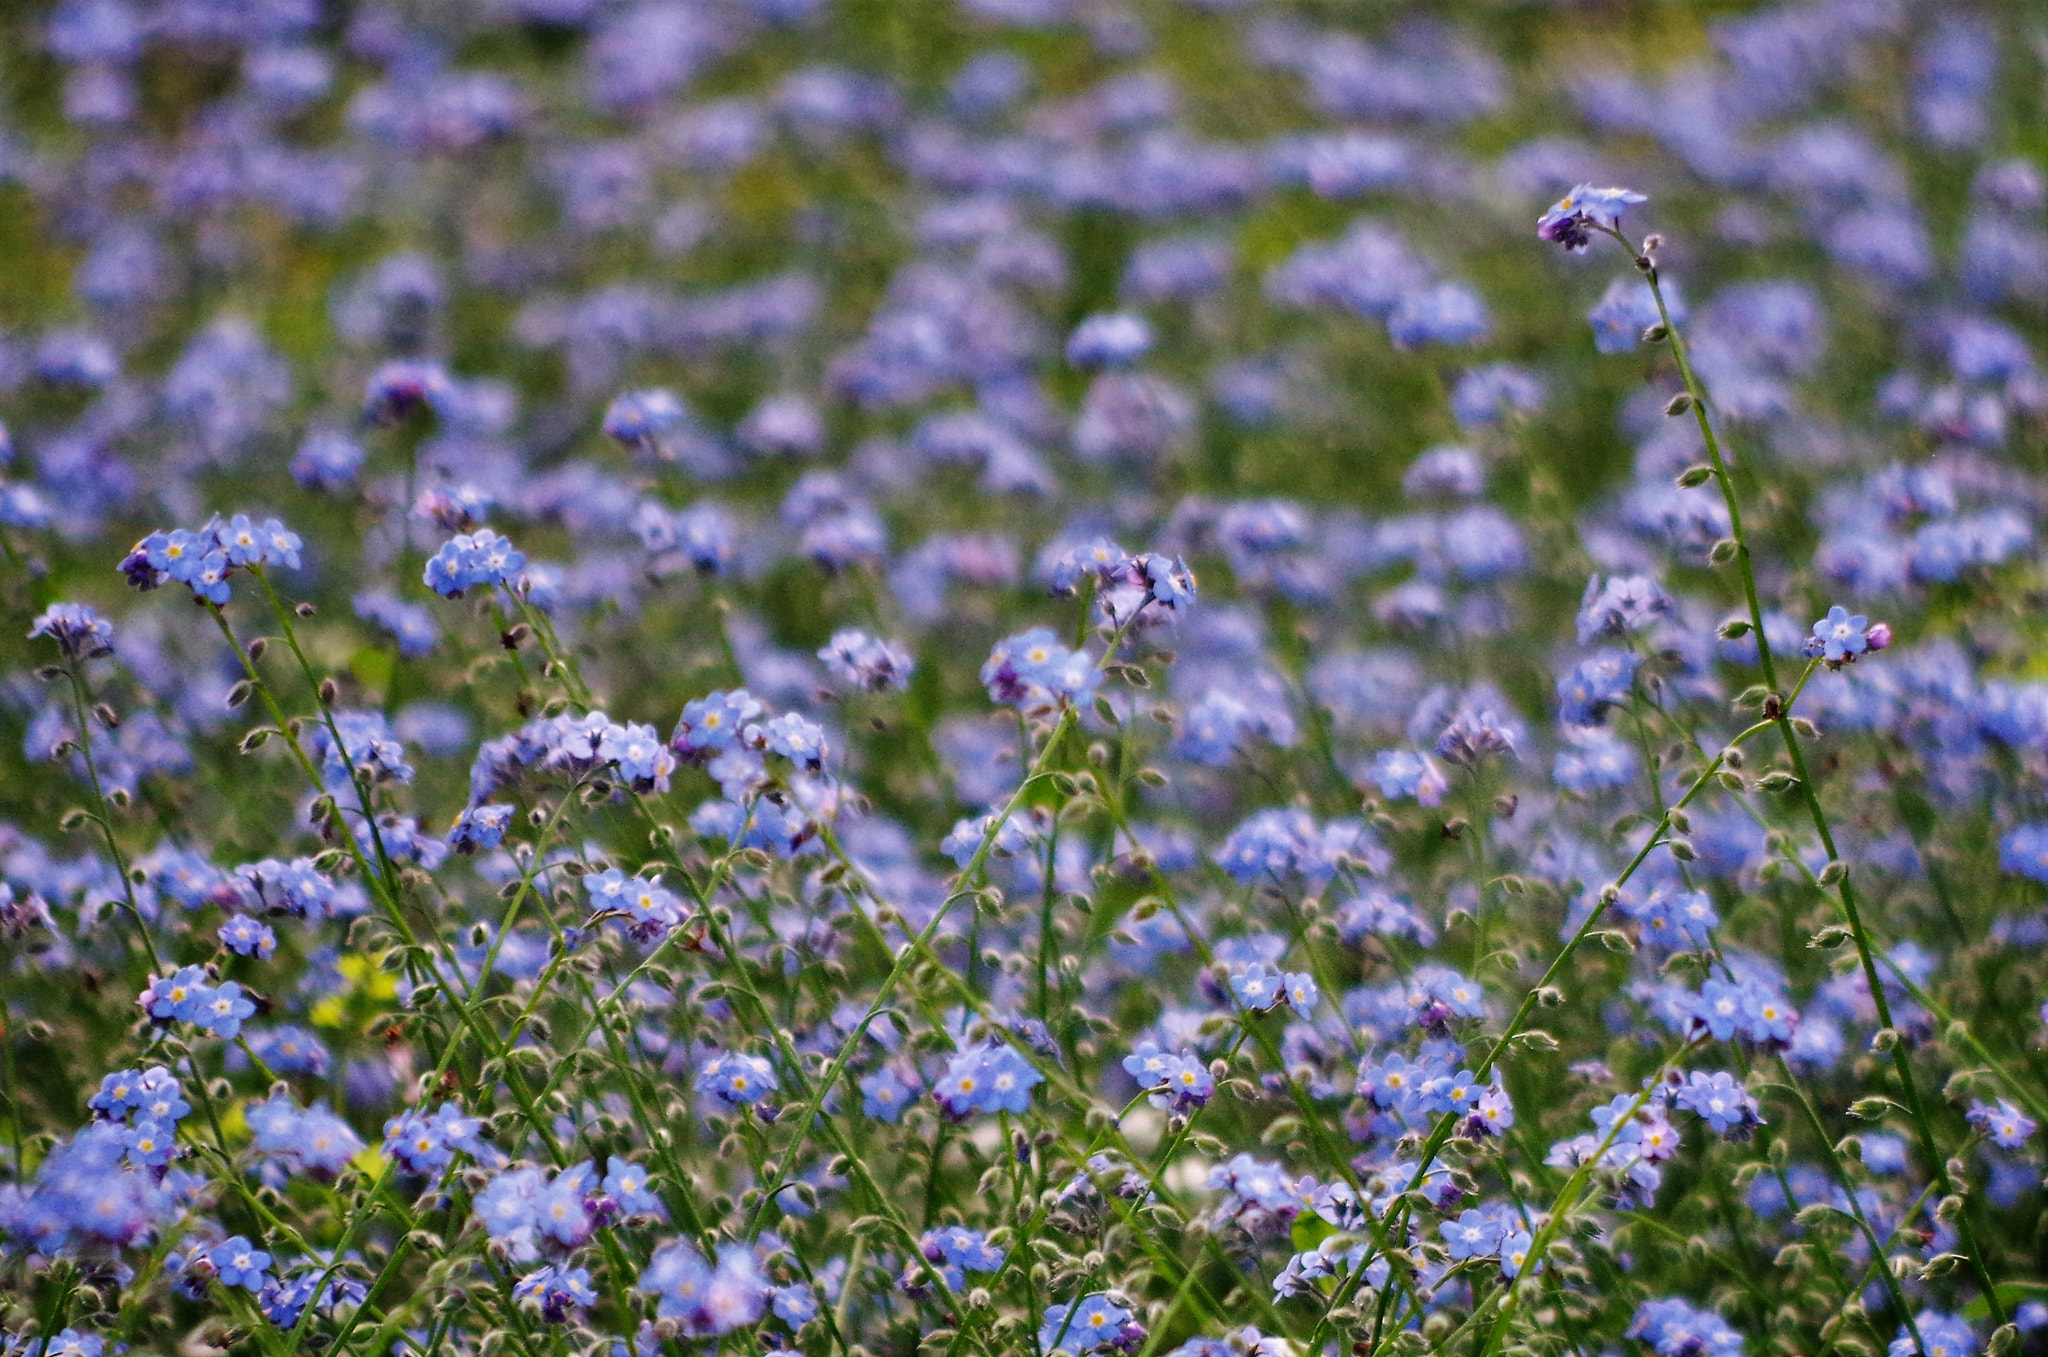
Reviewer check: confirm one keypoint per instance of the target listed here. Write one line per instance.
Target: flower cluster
(839, 885)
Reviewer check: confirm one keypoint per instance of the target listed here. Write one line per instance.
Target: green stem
(1901, 1057)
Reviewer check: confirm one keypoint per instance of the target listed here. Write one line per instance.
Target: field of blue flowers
(994, 678)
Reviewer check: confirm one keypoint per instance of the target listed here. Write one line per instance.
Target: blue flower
(713, 723)
(2003, 1124)
(1034, 673)
(1298, 990)
(1111, 339)
(237, 1262)
(77, 628)
(737, 1078)
(221, 1012)
(1148, 1065)
(986, 1078)
(644, 763)
(795, 1304)
(478, 827)
(1447, 313)
(1627, 309)
(796, 738)
(1839, 637)
(1258, 989)
(68, 1343)
(1092, 1322)
(626, 1184)
(884, 1094)
(1472, 1235)
(1621, 605)
(1168, 581)
(553, 1291)
(2023, 850)
(247, 937)
(1720, 1008)
(151, 1144)
(865, 662)
(210, 578)
(1572, 219)
(1597, 760)
(641, 419)
(1600, 681)
(1940, 1336)
(957, 1246)
(176, 998)
(1721, 1101)
(1403, 773)
(426, 1142)
(471, 559)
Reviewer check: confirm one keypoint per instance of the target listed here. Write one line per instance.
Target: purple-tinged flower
(175, 998)
(1167, 581)
(77, 629)
(1721, 1101)
(866, 662)
(796, 738)
(1109, 339)
(713, 723)
(245, 936)
(478, 827)
(2003, 1124)
(2023, 850)
(1403, 773)
(1570, 222)
(553, 1291)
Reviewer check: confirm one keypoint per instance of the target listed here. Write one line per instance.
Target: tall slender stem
(1780, 714)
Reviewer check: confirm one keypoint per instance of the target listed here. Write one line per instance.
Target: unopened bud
(1655, 334)
(1679, 404)
(1879, 636)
